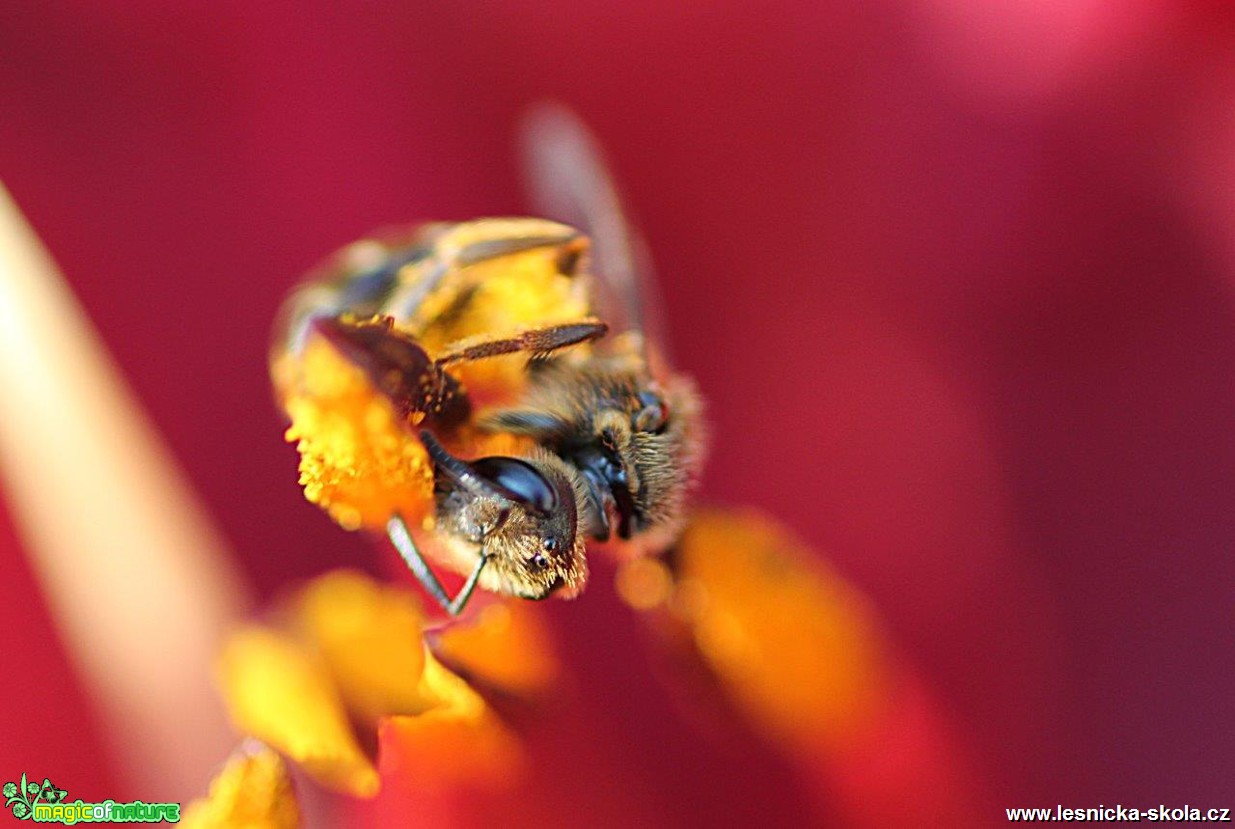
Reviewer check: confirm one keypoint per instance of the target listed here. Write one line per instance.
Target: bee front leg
(535, 341)
(401, 538)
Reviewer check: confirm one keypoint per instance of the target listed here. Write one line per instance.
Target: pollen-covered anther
(358, 459)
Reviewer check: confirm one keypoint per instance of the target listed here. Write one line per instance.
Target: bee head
(521, 512)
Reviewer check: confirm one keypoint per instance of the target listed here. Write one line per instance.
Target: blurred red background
(956, 283)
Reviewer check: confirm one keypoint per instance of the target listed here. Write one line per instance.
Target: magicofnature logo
(45, 803)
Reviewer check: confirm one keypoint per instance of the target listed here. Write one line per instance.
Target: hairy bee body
(535, 432)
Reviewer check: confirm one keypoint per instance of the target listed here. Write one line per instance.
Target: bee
(602, 441)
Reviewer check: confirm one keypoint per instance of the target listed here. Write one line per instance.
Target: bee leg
(401, 538)
(537, 341)
(465, 592)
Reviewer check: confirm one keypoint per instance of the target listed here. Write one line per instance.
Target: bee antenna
(458, 471)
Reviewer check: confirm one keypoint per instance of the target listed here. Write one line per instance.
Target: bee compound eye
(519, 481)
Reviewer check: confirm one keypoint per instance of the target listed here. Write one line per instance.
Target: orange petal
(438, 750)
(252, 791)
(283, 696)
(459, 742)
(369, 639)
(505, 645)
(793, 644)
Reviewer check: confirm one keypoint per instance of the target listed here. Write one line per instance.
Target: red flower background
(956, 283)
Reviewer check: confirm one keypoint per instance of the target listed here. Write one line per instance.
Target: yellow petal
(281, 695)
(369, 639)
(253, 791)
(793, 644)
(505, 646)
(445, 691)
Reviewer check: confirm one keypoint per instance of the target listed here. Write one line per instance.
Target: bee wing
(568, 180)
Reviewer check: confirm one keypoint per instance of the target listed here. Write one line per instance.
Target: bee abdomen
(368, 290)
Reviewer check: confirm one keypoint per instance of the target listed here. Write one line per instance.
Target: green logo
(22, 797)
(44, 803)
